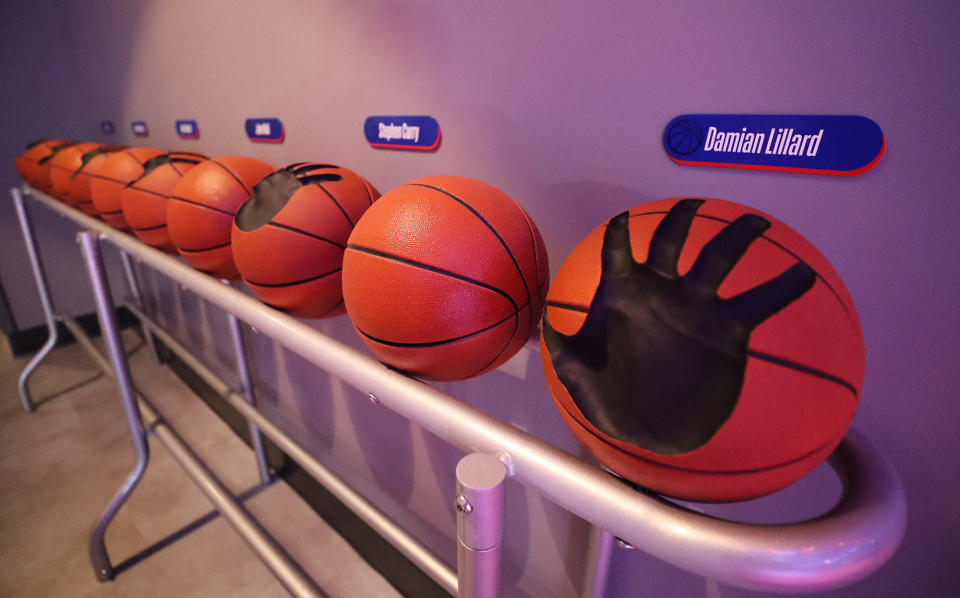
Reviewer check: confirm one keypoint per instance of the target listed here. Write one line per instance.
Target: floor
(61, 465)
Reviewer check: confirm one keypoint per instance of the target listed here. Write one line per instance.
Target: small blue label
(265, 130)
(812, 144)
(187, 129)
(402, 132)
(139, 128)
(107, 127)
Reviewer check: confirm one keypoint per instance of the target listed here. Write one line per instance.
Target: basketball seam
(767, 468)
(486, 223)
(303, 232)
(516, 327)
(804, 369)
(156, 193)
(149, 228)
(777, 244)
(174, 167)
(435, 270)
(104, 178)
(134, 156)
(235, 177)
(366, 186)
(787, 363)
(445, 341)
(210, 248)
(202, 205)
(273, 285)
(336, 203)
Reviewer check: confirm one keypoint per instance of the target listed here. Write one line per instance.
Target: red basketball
(288, 238)
(444, 277)
(741, 359)
(111, 177)
(28, 163)
(42, 179)
(202, 206)
(144, 201)
(62, 166)
(81, 179)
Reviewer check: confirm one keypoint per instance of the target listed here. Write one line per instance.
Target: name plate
(139, 128)
(265, 130)
(187, 129)
(402, 132)
(811, 144)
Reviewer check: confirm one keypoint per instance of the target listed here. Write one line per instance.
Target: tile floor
(61, 464)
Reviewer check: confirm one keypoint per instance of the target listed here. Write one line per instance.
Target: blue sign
(403, 132)
(107, 127)
(813, 144)
(187, 129)
(265, 130)
(139, 128)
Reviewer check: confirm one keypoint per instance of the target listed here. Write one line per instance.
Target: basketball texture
(444, 277)
(288, 239)
(144, 201)
(108, 181)
(202, 207)
(28, 163)
(81, 179)
(62, 166)
(702, 349)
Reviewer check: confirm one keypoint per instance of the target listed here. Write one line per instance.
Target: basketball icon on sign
(685, 137)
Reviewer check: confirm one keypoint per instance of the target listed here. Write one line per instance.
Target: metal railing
(805, 556)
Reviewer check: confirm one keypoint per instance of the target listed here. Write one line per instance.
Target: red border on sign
(414, 148)
(861, 170)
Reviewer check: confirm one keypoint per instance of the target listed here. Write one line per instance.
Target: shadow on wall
(65, 68)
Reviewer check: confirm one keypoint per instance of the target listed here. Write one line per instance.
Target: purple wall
(563, 108)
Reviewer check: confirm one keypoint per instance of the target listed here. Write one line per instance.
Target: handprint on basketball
(659, 361)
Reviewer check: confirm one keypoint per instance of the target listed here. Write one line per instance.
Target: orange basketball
(108, 181)
(28, 163)
(288, 238)
(42, 178)
(144, 201)
(62, 166)
(202, 206)
(444, 277)
(702, 349)
(80, 181)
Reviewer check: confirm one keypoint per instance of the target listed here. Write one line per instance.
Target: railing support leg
(246, 381)
(599, 555)
(41, 280)
(111, 335)
(135, 293)
(480, 511)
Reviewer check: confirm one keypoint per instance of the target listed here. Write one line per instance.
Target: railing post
(137, 298)
(246, 381)
(111, 335)
(480, 511)
(41, 280)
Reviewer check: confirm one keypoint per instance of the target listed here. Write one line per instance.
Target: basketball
(202, 207)
(62, 166)
(288, 239)
(42, 180)
(28, 163)
(81, 179)
(144, 201)
(444, 277)
(702, 349)
(108, 181)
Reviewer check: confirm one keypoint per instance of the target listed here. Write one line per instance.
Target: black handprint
(660, 359)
